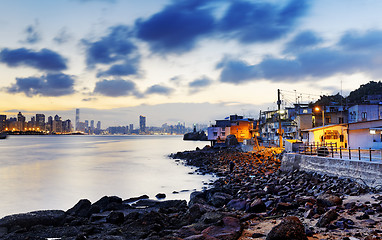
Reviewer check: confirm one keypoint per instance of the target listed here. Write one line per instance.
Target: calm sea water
(54, 172)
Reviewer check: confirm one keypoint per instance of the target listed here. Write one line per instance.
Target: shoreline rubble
(251, 199)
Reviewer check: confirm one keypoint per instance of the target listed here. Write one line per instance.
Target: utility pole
(279, 108)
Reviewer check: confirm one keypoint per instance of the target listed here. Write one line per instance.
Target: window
(223, 134)
(328, 119)
(364, 116)
(340, 120)
(215, 134)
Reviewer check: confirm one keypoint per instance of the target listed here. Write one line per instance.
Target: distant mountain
(370, 92)
(365, 93)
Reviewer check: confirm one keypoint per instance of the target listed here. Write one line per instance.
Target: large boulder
(257, 206)
(231, 140)
(328, 217)
(290, 228)
(81, 209)
(329, 200)
(230, 229)
(28, 220)
(219, 199)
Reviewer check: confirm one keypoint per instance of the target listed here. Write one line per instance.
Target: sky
(188, 61)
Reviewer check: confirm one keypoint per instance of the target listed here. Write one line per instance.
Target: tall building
(131, 127)
(142, 124)
(3, 120)
(77, 119)
(21, 122)
(40, 121)
(99, 125)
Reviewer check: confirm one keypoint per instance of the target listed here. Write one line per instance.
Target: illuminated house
(236, 125)
(336, 134)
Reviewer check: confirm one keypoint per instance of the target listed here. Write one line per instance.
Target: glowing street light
(317, 109)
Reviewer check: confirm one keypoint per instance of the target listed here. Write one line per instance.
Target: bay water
(54, 172)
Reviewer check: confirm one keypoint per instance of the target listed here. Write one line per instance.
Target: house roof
(323, 127)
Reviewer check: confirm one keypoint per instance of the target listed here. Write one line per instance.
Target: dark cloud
(58, 84)
(370, 40)
(89, 99)
(315, 63)
(107, 1)
(129, 67)
(260, 22)
(112, 48)
(33, 34)
(116, 88)
(158, 89)
(176, 80)
(236, 71)
(198, 84)
(302, 41)
(45, 59)
(62, 37)
(177, 27)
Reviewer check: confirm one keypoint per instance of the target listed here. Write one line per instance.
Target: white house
(361, 113)
(365, 134)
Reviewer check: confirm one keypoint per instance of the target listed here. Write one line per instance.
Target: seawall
(361, 171)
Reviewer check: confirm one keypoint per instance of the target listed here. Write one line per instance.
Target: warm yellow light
(317, 109)
(30, 129)
(6, 129)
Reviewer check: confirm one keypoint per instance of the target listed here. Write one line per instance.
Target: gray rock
(290, 228)
(229, 229)
(237, 204)
(325, 219)
(81, 209)
(27, 220)
(219, 199)
(257, 206)
(231, 140)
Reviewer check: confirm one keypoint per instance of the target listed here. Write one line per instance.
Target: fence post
(310, 150)
(370, 153)
(349, 153)
(359, 153)
(340, 152)
(336, 147)
(332, 151)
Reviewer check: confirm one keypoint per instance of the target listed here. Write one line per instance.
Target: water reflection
(54, 172)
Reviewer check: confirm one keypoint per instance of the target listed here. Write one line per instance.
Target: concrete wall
(369, 172)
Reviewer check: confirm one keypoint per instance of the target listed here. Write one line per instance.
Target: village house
(236, 125)
(363, 129)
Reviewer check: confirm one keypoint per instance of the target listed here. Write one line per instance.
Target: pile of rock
(251, 199)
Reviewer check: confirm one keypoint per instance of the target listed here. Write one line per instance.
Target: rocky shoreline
(252, 199)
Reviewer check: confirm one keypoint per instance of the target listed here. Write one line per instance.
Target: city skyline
(191, 61)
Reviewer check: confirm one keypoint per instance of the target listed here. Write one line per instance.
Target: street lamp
(317, 109)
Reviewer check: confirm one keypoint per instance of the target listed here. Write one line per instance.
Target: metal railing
(331, 150)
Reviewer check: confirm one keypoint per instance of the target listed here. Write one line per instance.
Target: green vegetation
(357, 96)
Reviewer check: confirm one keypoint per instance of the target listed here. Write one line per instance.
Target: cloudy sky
(186, 60)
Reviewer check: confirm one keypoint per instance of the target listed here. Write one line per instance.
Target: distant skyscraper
(21, 122)
(3, 120)
(131, 128)
(142, 123)
(92, 124)
(40, 121)
(77, 119)
(99, 125)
